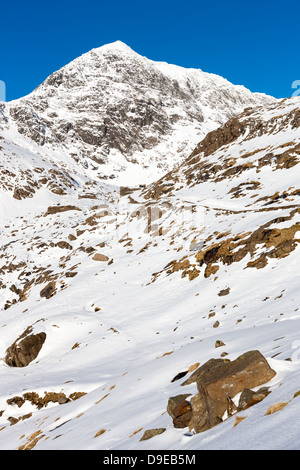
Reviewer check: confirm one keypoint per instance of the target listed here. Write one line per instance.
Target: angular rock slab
(222, 382)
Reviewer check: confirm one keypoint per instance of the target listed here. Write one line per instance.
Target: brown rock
(180, 410)
(151, 433)
(221, 382)
(100, 257)
(219, 343)
(183, 420)
(210, 269)
(64, 245)
(224, 292)
(58, 209)
(19, 401)
(249, 398)
(49, 290)
(25, 349)
(202, 412)
(175, 402)
(208, 367)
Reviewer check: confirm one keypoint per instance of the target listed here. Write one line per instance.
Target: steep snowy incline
(129, 293)
(124, 116)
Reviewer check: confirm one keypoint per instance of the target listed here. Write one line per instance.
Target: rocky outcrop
(49, 397)
(25, 349)
(218, 382)
(277, 243)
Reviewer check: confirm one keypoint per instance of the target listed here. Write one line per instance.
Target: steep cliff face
(125, 116)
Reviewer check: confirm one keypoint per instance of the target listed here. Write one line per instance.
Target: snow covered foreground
(118, 331)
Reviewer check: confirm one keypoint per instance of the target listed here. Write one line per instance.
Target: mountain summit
(158, 317)
(128, 118)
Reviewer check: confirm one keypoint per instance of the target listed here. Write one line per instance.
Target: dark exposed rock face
(25, 349)
(218, 381)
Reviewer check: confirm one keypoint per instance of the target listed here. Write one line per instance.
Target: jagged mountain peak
(124, 116)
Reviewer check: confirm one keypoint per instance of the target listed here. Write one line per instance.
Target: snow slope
(120, 330)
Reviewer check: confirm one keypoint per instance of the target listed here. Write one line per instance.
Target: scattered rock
(211, 269)
(219, 343)
(19, 401)
(32, 440)
(100, 432)
(25, 349)
(209, 367)
(58, 209)
(64, 245)
(49, 290)
(149, 433)
(72, 237)
(42, 401)
(179, 376)
(224, 292)
(100, 257)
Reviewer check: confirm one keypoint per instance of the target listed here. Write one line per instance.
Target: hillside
(124, 291)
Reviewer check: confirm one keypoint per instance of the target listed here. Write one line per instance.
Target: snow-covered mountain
(125, 294)
(125, 117)
(112, 297)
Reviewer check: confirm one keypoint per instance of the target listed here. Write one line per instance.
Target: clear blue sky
(255, 44)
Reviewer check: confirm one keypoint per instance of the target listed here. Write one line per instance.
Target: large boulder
(217, 387)
(25, 349)
(218, 382)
